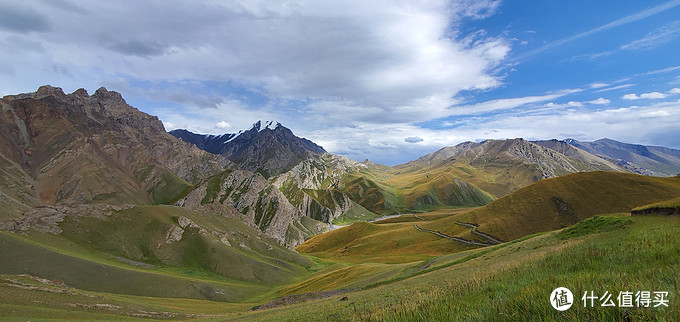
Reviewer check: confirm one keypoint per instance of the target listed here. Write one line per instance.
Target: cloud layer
(362, 56)
(387, 80)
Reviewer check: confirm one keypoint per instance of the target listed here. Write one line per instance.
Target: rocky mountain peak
(70, 149)
(260, 126)
(47, 90)
(81, 92)
(105, 95)
(267, 147)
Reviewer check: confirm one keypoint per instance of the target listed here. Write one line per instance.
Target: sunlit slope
(546, 205)
(514, 279)
(440, 188)
(559, 202)
(499, 167)
(467, 175)
(666, 207)
(478, 284)
(390, 192)
(386, 241)
(498, 177)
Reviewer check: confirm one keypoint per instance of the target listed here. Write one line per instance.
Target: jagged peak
(46, 90)
(81, 92)
(103, 93)
(260, 126)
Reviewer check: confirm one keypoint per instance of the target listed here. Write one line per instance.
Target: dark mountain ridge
(267, 147)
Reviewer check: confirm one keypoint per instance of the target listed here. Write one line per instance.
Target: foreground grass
(514, 282)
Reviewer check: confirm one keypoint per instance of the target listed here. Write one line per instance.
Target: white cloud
(650, 95)
(507, 103)
(233, 115)
(614, 88)
(662, 71)
(674, 91)
(574, 104)
(628, 124)
(393, 57)
(653, 95)
(659, 36)
(598, 85)
(169, 126)
(223, 125)
(599, 101)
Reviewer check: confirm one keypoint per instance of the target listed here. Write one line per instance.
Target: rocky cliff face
(74, 149)
(313, 185)
(255, 201)
(290, 207)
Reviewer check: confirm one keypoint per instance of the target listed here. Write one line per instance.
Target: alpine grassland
(513, 281)
(544, 206)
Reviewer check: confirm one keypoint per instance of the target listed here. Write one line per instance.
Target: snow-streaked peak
(233, 137)
(263, 125)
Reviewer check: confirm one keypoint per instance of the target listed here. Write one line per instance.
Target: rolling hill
(487, 170)
(563, 201)
(158, 251)
(543, 206)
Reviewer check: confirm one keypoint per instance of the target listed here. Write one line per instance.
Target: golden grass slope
(546, 205)
(666, 207)
(513, 281)
(563, 201)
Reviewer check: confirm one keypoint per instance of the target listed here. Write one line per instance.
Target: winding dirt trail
(489, 239)
(458, 239)
(473, 229)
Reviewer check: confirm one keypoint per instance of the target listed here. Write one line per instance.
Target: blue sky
(385, 80)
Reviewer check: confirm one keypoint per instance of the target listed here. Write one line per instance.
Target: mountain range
(76, 149)
(268, 148)
(121, 206)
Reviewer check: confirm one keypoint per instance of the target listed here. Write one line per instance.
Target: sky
(387, 81)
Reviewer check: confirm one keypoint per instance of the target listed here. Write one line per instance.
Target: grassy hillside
(372, 194)
(509, 281)
(513, 281)
(666, 207)
(497, 177)
(159, 251)
(546, 205)
(393, 240)
(559, 202)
